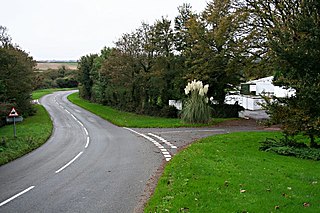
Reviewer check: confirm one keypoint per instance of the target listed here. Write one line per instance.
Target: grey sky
(69, 29)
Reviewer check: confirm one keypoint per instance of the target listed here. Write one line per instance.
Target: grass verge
(31, 133)
(42, 92)
(227, 173)
(126, 119)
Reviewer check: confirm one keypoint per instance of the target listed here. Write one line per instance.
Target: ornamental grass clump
(196, 108)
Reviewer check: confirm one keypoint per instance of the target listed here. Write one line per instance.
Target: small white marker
(70, 162)
(15, 196)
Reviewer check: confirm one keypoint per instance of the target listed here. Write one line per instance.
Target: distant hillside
(41, 65)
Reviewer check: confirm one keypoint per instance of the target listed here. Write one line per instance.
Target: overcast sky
(69, 29)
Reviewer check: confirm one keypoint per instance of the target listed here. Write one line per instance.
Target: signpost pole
(14, 127)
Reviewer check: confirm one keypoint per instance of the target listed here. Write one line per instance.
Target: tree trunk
(313, 144)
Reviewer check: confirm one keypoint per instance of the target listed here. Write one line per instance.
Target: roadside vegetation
(42, 92)
(228, 173)
(31, 133)
(55, 77)
(127, 119)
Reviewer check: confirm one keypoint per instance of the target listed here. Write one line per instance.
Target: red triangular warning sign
(13, 113)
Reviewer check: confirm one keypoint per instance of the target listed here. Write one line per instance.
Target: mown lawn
(31, 133)
(126, 119)
(227, 173)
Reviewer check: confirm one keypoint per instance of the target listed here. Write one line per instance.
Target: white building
(251, 92)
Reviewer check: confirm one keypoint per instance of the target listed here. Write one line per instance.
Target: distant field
(46, 66)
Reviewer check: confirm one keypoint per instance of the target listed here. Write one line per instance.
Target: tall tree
(16, 72)
(216, 57)
(292, 29)
(85, 66)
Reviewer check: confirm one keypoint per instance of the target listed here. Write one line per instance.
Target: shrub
(226, 110)
(169, 112)
(196, 109)
(288, 146)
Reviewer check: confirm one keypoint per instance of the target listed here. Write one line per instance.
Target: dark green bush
(290, 147)
(169, 112)
(66, 82)
(226, 110)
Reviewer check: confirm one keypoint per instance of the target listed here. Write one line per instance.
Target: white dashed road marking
(164, 151)
(17, 195)
(163, 140)
(70, 162)
(87, 144)
(85, 130)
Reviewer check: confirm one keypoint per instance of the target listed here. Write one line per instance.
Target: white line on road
(86, 131)
(70, 162)
(88, 141)
(163, 140)
(15, 196)
(165, 153)
(74, 117)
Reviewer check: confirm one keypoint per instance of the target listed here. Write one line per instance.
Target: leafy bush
(169, 112)
(290, 147)
(196, 109)
(226, 110)
(66, 82)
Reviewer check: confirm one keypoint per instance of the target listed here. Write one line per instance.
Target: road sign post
(14, 127)
(13, 114)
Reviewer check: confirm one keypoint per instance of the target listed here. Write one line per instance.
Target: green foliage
(216, 54)
(31, 133)
(151, 65)
(290, 147)
(226, 110)
(127, 119)
(227, 173)
(85, 66)
(42, 92)
(66, 83)
(196, 109)
(16, 72)
(293, 33)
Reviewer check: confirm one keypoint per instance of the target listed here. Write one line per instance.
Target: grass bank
(31, 133)
(227, 173)
(42, 92)
(126, 119)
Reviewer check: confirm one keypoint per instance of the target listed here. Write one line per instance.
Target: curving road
(88, 165)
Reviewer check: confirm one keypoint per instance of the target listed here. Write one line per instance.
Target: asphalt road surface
(88, 165)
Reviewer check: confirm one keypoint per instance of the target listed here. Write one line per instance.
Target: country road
(88, 165)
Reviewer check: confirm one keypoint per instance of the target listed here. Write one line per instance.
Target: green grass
(42, 92)
(209, 175)
(31, 133)
(126, 119)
